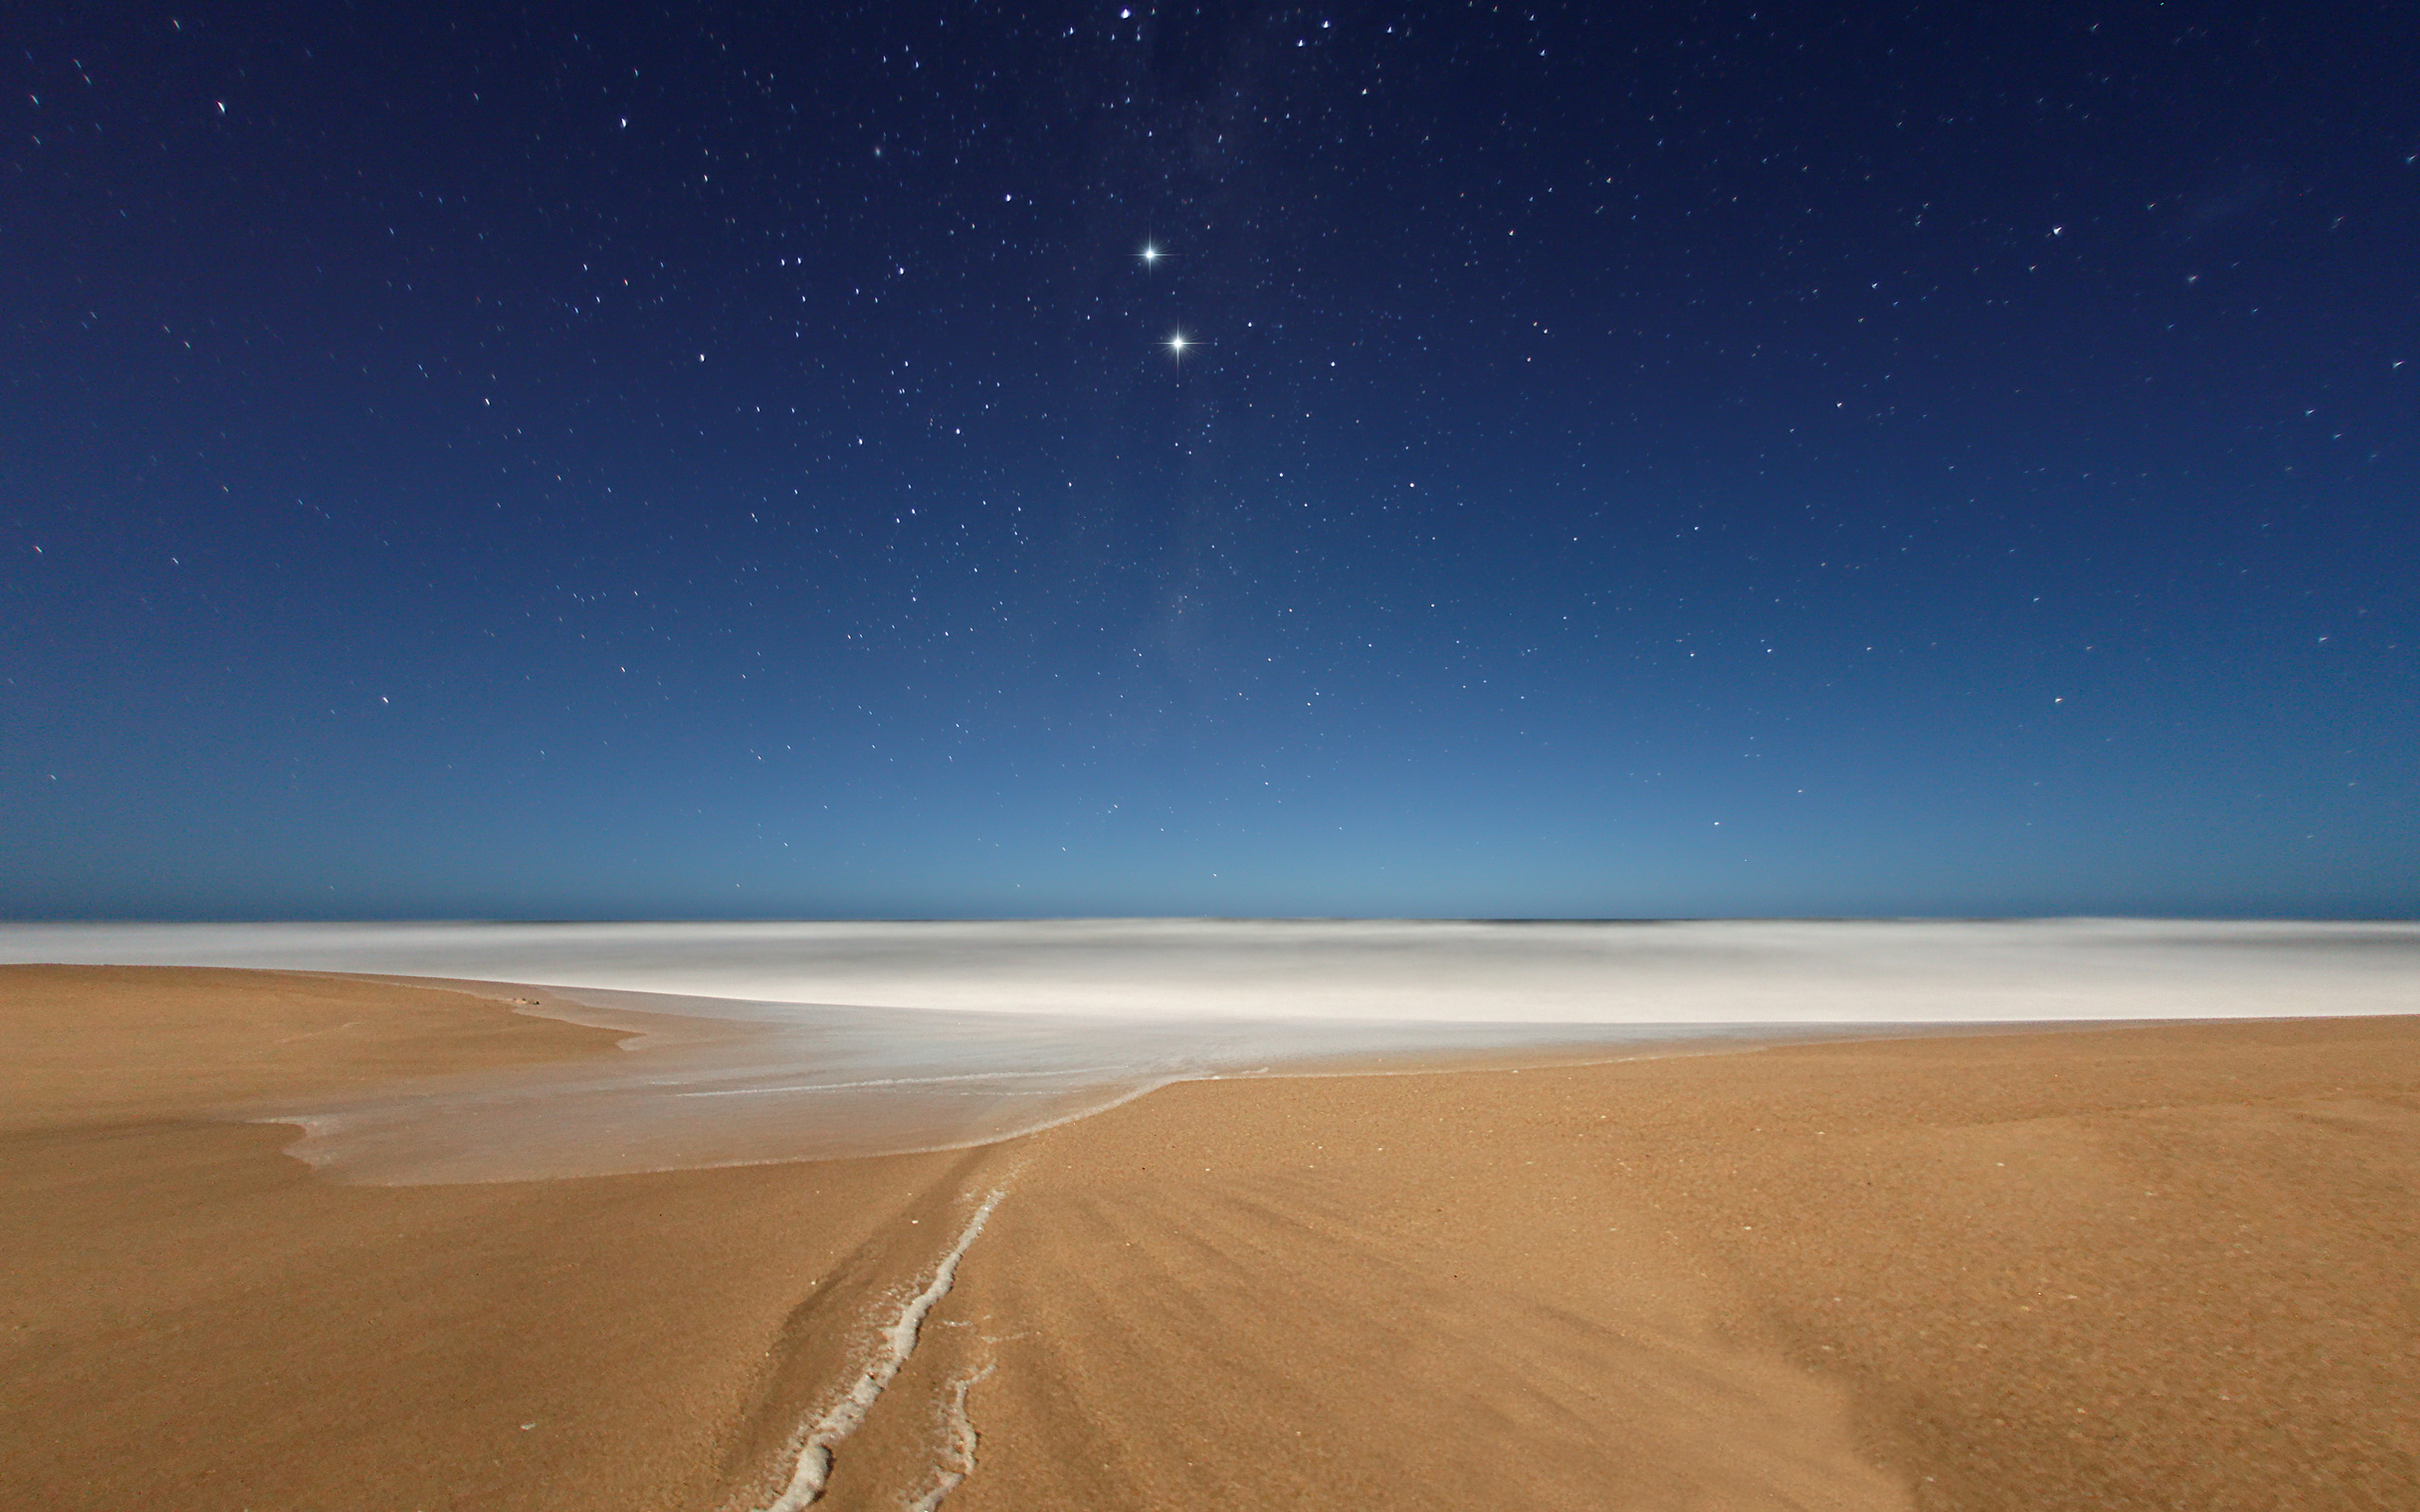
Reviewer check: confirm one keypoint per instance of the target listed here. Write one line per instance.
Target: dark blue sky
(1656, 460)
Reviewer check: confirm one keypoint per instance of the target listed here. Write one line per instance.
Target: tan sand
(2141, 1267)
(2149, 1268)
(193, 1321)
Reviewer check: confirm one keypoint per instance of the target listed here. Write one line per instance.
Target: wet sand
(2144, 1266)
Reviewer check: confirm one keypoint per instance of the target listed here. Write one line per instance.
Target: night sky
(705, 461)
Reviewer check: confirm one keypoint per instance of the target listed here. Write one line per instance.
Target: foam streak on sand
(957, 1461)
(897, 1343)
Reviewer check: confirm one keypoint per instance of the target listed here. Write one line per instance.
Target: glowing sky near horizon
(579, 462)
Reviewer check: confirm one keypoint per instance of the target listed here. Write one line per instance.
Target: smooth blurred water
(718, 1082)
(773, 1041)
(1727, 972)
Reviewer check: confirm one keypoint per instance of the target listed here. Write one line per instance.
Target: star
(1150, 255)
(1176, 343)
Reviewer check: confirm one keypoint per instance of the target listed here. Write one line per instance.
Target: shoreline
(1995, 1269)
(792, 1082)
(829, 1081)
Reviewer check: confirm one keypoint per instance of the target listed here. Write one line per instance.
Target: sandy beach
(2144, 1266)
